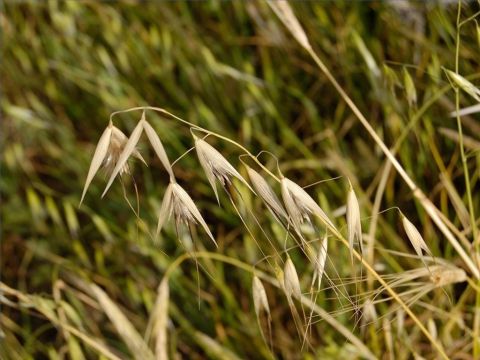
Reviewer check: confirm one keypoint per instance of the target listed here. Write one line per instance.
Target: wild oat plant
(386, 310)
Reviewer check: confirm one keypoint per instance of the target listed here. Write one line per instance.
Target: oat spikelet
(353, 221)
(285, 13)
(215, 166)
(158, 147)
(290, 280)
(127, 151)
(108, 150)
(300, 205)
(268, 196)
(176, 201)
(98, 157)
(415, 239)
(369, 313)
(464, 84)
(260, 300)
(320, 262)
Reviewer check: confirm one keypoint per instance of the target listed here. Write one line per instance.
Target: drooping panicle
(215, 166)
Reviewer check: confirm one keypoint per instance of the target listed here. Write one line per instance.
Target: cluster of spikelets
(295, 210)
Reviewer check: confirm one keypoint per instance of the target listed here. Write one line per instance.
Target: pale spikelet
(432, 328)
(268, 196)
(127, 151)
(98, 157)
(260, 300)
(464, 84)
(320, 262)
(158, 147)
(353, 221)
(285, 13)
(215, 166)
(415, 239)
(447, 274)
(300, 205)
(290, 280)
(106, 155)
(410, 90)
(369, 313)
(161, 320)
(176, 201)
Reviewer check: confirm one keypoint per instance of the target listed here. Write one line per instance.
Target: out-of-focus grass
(232, 68)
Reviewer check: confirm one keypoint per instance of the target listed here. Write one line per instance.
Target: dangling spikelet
(415, 239)
(107, 153)
(353, 221)
(267, 195)
(320, 262)
(300, 205)
(126, 152)
(260, 300)
(176, 201)
(98, 158)
(290, 280)
(158, 147)
(215, 166)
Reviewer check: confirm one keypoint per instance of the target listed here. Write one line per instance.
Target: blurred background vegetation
(232, 68)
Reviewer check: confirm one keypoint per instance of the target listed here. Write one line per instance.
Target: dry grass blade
(266, 193)
(415, 239)
(290, 280)
(158, 147)
(124, 327)
(161, 320)
(285, 13)
(216, 167)
(127, 151)
(260, 300)
(353, 221)
(98, 157)
(466, 111)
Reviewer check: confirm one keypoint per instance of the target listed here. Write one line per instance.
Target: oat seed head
(300, 205)
(158, 147)
(290, 280)
(260, 300)
(215, 166)
(266, 193)
(353, 221)
(320, 262)
(98, 158)
(127, 151)
(176, 201)
(464, 84)
(415, 238)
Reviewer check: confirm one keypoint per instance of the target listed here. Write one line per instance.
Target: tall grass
(332, 237)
